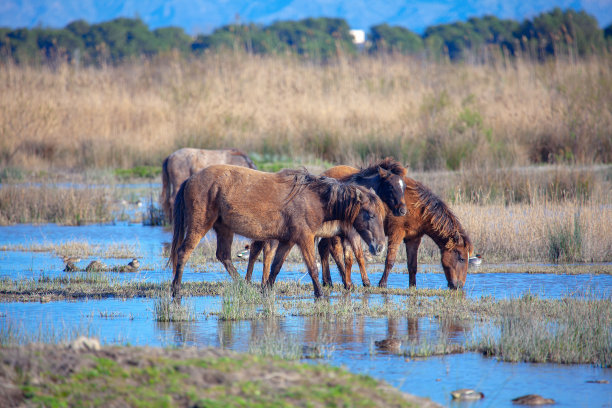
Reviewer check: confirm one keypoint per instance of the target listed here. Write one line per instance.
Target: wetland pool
(342, 341)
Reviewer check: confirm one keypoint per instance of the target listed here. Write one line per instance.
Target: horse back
(340, 172)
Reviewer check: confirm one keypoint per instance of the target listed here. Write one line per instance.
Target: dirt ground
(54, 375)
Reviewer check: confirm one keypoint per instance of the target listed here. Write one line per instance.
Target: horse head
(369, 222)
(391, 191)
(455, 256)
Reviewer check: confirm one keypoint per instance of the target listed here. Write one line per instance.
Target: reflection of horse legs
(224, 249)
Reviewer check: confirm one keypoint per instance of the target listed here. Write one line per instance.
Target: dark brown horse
(385, 178)
(427, 215)
(184, 163)
(289, 206)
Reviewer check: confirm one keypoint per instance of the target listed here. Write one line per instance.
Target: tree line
(553, 33)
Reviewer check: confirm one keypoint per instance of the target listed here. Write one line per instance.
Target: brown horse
(427, 215)
(289, 206)
(184, 163)
(385, 177)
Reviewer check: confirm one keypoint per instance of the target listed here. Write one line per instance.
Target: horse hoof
(382, 284)
(366, 284)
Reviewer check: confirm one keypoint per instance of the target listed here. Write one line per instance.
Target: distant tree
(562, 32)
(385, 38)
(460, 40)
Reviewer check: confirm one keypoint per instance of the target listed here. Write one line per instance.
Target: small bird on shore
(466, 394)
(475, 260)
(533, 399)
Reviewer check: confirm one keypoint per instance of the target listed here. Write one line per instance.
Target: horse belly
(329, 229)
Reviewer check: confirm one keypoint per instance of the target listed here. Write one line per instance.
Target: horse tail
(179, 225)
(165, 193)
(247, 159)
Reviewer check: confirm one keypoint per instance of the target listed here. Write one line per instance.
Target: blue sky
(202, 16)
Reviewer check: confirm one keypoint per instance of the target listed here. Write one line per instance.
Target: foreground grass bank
(144, 377)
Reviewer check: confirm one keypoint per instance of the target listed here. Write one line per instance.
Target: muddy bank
(56, 375)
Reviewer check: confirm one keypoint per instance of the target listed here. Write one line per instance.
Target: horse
(427, 215)
(385, 177)
(289, 206)
(185, 162)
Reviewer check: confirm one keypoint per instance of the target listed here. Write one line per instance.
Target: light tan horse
(184, 163)
(290, 206)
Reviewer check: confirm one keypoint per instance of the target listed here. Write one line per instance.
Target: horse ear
(383, 173)
(457, 238)
(372, 191)
(358, 195)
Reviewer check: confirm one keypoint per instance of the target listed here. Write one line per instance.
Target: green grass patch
(146, 172)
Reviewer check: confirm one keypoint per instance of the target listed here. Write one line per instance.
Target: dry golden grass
(428, 115)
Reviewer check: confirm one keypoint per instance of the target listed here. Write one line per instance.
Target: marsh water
(347, 342)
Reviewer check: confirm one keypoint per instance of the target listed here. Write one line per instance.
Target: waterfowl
(95, 266)
(475, 260)
(70, 267)
(391, 344)
(466, 394)
(71, 259)
(135, 264)
(244, 253)
(533, 399)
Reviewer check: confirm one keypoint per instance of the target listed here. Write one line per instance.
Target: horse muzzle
(376, 249)
(454, 285)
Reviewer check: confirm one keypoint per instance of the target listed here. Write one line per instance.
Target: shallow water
(347, 342)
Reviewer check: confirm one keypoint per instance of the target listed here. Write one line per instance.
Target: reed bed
(428, 115)
(68, 206)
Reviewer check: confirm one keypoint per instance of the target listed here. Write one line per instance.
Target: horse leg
(191, 241)
(412, 249)
(281, 254)
(269, 253)
(224, 249)
(356, 245)
(306, 245)
(254, 251)
(337, 253)
(323, 247)
(393, 246)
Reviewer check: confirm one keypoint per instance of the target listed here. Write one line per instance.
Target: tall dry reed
(428, 115)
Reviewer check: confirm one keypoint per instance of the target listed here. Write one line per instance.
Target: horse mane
(340, 197)
(442, 219)
(388, 163)
(237, 152)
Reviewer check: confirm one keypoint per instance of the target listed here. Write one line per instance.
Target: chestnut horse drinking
(183, 163)
(384, 177)
(427, 215)
(289, 206)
